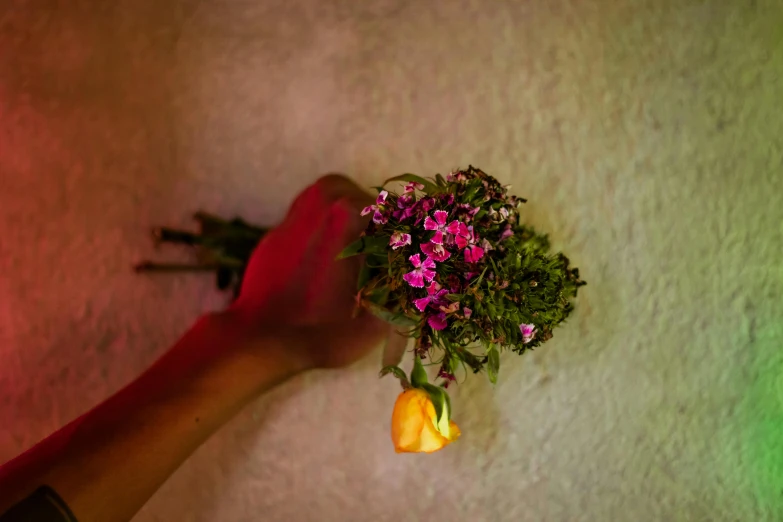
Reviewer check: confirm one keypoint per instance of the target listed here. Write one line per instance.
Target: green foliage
(365, 245)
(493, 364)
(397, 372)
(418, 375)
(517, 282)
(429, 186)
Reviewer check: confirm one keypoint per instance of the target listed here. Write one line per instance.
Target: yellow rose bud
(415, 427)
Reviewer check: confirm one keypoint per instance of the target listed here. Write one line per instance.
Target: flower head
(422, 270)
(466, 238)
(507, 233)
(435, 251)
(416, 427)
(528, 332)
(380, 214)
(473, 254)
(447, 376)
(438, 321)
(413, 187)
(435, 296)
(398, 239)
(438, 225)
(466, 211)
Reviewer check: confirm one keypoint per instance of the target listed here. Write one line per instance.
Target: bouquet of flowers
(448, 262)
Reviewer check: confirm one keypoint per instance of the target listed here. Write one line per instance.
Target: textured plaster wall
(647, 135)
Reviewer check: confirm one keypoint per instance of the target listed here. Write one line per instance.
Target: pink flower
(438, 322)
(528, 332)
(466, 210)
(467, 312)
(434, 297)
(450, 309)
(473, 254)
(446, 199)
(465, 238)
(449, 377)
(423, 206)
(398, 239)
(379, 209)
(438, 224)
(413, 187)
(406, 205)
(507, 233)
(456, 176)
(486, 245)
(435, 251)
(422, 270)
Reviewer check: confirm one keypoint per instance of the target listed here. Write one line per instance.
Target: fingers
(328, 189)
(333, 283)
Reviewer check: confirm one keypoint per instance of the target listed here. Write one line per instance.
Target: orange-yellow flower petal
(414, 424)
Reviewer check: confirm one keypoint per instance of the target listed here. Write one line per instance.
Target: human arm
(294, 312)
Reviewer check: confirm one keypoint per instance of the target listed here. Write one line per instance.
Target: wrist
(271, 346)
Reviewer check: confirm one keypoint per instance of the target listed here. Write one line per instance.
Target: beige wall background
(647, 135)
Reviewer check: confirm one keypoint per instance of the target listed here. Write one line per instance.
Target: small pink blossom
(449, 377)
(413, 187)
(464, 235)
(528, 332)
(423, 206)
(406, 205)
(446, 199)
(434, 297)
(438, 225)
(465, 238)
(435, 251)
(423, 270)
(450, 309)
(379, 209)
(398, 239)
(467, 312)
(456, 176)
(438, 322)
(466, 210)
(507, 233)
(486, 245)
(473, 254)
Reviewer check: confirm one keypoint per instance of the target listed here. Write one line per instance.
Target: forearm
(107, 463)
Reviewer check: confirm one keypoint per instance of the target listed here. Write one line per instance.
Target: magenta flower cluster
(450, 231)
(449, 237)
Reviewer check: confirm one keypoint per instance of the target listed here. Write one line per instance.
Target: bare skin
(294, 313)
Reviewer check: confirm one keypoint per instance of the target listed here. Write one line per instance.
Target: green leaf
(353, 249)
(481, 277)
(455, 297)
(429, 186)
(397, 372)
(378, 296)
(440, 399)
(440, 180)
(418, 375)
(395, 318)
(365, 245)
(493, 364)
(364, 275)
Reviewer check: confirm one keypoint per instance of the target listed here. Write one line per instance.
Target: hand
(296, 289)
